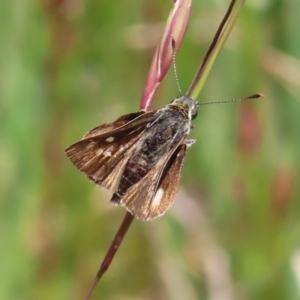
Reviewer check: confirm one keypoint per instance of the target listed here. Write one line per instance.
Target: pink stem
(112, 251)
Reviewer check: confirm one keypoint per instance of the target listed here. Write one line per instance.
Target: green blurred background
(67, 66)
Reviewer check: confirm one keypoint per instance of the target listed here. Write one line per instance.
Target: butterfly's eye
(194, 113)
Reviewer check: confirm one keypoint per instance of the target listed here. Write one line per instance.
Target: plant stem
(112, 251)
(217, 44)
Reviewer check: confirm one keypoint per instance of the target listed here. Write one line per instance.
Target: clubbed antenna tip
(254, 96)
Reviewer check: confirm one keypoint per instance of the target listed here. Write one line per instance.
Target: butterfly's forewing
(155, 193)
(98, 156)
(123, 120)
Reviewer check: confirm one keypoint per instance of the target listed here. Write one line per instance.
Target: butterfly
(139, 157)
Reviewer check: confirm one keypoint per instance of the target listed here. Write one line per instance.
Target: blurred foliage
(233, 233)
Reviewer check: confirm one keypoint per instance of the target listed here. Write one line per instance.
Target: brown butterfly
(139, 157)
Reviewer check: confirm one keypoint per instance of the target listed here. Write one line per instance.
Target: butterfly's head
(187, 105)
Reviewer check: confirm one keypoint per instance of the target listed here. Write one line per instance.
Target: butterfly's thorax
(169, 128)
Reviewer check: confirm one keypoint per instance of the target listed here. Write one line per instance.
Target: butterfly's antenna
(236, 100)
(174, 64)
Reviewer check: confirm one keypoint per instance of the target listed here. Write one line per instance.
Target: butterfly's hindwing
(169, 184)
(154, 194)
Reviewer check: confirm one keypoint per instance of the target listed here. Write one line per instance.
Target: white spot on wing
(157, 198)
(110, 139)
